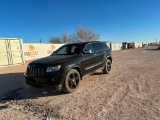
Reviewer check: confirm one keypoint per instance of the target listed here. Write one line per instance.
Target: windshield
(70, 49)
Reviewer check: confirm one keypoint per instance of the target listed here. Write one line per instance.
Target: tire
(71, 82)
(107, 67)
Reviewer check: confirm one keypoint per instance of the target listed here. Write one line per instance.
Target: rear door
(100, 55)
(106, 48)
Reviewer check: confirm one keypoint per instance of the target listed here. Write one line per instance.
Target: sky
(115, 20)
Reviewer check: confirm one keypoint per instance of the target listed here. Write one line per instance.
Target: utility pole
(40, 41)
(156, 41)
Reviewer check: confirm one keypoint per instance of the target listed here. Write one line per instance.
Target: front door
(89, 60)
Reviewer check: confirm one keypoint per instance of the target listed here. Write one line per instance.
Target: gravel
(130, 91)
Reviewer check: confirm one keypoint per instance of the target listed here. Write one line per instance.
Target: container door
(16, 52)
(11, 52)
(3, 53)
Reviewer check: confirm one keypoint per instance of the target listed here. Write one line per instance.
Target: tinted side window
(63, 50)
(104, 46)
(89, 47)
(70, 49)
(97, 47)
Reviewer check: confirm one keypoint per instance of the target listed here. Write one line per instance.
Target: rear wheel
(71, 82)
(107, 67)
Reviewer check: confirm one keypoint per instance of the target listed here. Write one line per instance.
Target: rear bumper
(45, 83)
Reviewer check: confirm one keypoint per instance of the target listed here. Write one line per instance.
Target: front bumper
(51, 83)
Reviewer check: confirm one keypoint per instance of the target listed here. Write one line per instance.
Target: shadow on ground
(13, 87)
(3, 107)
(98, 73)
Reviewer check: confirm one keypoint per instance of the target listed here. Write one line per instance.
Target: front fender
(109, 57)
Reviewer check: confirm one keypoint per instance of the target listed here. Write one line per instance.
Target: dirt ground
(130, 92)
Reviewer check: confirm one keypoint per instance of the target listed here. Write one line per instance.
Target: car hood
(54, 59)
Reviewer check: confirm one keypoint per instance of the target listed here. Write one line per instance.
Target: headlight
(53, 68)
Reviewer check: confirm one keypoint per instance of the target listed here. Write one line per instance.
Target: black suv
(64, 69)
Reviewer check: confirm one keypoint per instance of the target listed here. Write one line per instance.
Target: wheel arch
(110, 58)
(74, 67)
(78, 69)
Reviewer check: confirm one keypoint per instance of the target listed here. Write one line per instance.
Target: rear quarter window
(104, 46)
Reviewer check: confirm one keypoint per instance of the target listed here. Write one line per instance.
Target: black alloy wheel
(72, 81)
(108, 66)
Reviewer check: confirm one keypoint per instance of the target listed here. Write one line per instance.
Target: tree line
(81, 35)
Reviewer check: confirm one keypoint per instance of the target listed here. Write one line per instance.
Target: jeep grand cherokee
(64, 69)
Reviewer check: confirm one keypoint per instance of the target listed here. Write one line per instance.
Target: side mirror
(54, 53)
(87, 51)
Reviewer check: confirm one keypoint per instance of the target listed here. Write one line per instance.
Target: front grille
(35, 71)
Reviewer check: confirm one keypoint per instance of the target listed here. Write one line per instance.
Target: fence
(14, 51)
(34, 51)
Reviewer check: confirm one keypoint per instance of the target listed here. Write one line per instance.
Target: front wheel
(107, 67)
(71, 82)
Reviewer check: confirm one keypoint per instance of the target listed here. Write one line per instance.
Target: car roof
(86, 42)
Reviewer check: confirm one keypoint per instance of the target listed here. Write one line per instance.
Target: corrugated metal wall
(114, 46)
(138, 44)
(118, 46)
(11, 51)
